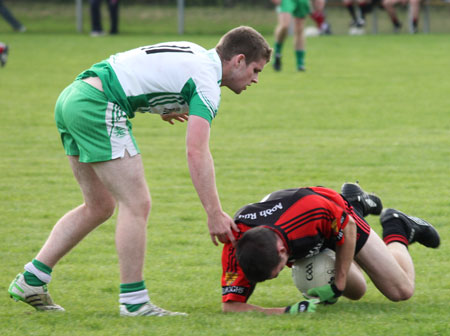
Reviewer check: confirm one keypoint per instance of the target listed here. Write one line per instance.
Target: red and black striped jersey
(306, 219)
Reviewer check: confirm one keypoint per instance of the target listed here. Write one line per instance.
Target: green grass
(372, 108)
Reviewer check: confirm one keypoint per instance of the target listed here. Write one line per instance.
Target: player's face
(244, 74)
(283, 260)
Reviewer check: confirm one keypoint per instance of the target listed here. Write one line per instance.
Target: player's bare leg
(390, 267)
(31, 286)
(281, 32)
(126, 182)
(98, 206)
(299, 42)
(356, 283)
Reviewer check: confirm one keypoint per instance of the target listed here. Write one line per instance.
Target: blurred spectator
(3, 54)
(9, 17)
(96, 18)
(318, 15)
(299, 10)
(357, 10)
(414, 7)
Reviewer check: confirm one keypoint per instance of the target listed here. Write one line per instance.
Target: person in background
(96, 17)
(357, 10)
(414, 7)
(3, 54)
(11, 19)
(288, 9)
(319, 17)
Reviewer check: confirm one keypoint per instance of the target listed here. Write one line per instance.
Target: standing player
(414, 7)
(319, 17)
(171, 79)
(297, 223)
(357, 10)
(299, 9)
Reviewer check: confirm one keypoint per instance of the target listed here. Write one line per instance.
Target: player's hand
(220, 227)
(169, 117)
(327, 294)
(308, 306)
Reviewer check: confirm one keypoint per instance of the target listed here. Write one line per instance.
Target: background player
(296, 223)
(288, 9)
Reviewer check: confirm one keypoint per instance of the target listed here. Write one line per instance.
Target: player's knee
(355, 292)
(401, 293)
(143, 206)
(103, 210)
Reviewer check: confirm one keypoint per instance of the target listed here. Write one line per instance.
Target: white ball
(311, 31)
(314, 271)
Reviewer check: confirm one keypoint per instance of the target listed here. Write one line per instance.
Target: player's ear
(280, 247)
(239, 59)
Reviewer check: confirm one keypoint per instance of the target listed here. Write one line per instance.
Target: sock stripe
(395, 238)
(134, 297)
(44, 277)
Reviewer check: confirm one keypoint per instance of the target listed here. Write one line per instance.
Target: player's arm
(300, 307)
(238, 307)
(201, 167)
(344, 257)
(345, 254)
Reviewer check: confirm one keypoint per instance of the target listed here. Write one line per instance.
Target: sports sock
(352, 12)
(358, 207)
(37, 273)
(300, 56)
(278, 46)
(394, 231)
(319, 18)
(133, 295)
(364, 8)
(396, 22)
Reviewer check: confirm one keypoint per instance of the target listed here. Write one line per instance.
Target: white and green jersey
(162, 78)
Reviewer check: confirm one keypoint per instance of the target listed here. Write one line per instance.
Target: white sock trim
(134, 297)
(44, 277)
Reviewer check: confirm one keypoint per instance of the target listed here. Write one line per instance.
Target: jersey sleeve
(235, 286)
(336, 221)
(202, 91)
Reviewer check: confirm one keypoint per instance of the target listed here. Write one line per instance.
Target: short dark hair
(257, 253)
(244, 40)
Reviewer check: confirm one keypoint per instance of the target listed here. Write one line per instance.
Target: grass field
(371, 108)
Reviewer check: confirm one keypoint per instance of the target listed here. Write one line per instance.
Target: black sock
(394, 231)
(352, 12)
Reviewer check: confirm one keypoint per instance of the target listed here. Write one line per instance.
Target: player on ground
(297, 223)
(174, 80)
(299, 9)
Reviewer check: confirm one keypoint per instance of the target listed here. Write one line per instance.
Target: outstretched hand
(327, 294)
(220, 227)
(307, 306)
(169, 117)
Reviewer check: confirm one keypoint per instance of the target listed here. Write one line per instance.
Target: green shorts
(90, 126)
(298, 8)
